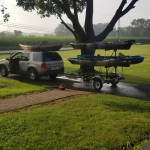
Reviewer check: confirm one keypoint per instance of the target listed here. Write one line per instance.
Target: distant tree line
(10, 34)
(138, 28)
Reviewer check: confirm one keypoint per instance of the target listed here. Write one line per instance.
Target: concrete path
(146, 146)
(34, 99)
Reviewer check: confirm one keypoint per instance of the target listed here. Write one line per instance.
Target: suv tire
(3, 71)
(33, 74)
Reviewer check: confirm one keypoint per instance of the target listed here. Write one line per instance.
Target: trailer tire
(53, 76)
(114, 82)
(97, 84)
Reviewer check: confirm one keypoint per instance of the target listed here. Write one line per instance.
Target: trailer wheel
(114, 83)
(53, 76)
(97, 84)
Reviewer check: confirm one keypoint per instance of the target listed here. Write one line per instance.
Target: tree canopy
(71, 8)
(5, 15)
(18, 33)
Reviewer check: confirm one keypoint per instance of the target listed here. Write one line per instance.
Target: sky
(104, 10)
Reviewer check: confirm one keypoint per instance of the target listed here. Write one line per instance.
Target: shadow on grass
(128, 104)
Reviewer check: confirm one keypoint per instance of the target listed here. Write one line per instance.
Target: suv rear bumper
(44, 73)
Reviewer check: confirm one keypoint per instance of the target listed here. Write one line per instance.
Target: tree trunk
(89, 35)
(87, 68)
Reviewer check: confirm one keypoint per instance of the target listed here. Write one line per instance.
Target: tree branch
(76, 25)
(122, 5)
(59, 4)
(74, 19)
(75, 8)
(130, 6)
(67, 9)
(119, 13)
(72, 31)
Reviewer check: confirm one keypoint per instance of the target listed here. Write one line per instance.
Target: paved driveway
(122, 89)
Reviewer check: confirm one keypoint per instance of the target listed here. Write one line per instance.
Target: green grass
(137, 73)
(2, 56)
(90, 122)
(11, 88)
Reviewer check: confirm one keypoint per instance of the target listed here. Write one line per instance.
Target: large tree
(71, 8)
(18, 33)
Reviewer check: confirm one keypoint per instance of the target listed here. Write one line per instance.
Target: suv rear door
(53, 61)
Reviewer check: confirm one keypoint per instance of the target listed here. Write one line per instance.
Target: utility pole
(118, 30)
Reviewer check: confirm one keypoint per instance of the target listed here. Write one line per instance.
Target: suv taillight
(43, 66)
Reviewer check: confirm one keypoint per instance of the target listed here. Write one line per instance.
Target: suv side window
(37, 57)
(16, 55)
(25, 57)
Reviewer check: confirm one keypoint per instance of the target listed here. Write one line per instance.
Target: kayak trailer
(98, 79)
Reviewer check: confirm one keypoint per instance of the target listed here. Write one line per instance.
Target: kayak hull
(107, 46)
(105, 63)
(40, 48)
(132, 59)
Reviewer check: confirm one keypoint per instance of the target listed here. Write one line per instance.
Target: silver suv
(34, 64)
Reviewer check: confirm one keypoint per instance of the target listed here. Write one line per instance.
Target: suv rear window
(45, 57)
(51, 56)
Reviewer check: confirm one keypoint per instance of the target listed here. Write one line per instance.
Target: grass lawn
(138, 73)
(99, 121)
(11, 88)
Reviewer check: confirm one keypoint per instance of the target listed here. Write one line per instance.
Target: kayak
(40, 47)
(107, 46)
(132, 59)
(95, 62)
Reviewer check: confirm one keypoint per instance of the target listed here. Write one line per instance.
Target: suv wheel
(32, 74)
(3, 71)
(53, 76)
